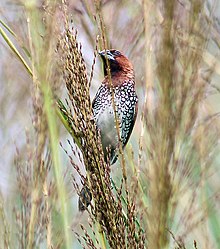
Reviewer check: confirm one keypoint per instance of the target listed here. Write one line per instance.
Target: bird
(121, 85)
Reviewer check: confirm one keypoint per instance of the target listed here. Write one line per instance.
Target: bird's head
(118, 63)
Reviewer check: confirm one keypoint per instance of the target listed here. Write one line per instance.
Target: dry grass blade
(171, 127)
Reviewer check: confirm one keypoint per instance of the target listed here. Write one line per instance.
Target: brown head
(121, 68)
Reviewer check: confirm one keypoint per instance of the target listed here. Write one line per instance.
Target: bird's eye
(116, 52)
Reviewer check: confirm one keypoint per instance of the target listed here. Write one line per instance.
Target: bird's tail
(85, 198)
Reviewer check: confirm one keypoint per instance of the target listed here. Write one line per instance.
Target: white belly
(105, 122)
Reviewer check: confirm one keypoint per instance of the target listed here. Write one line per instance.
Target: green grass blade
(54, 143)
(62, 114)
(8, 28)
(14, 49)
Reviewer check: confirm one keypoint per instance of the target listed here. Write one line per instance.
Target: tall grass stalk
(42, 63)
(45, 84)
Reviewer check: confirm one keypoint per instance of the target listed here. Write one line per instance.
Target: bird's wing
(128, 121)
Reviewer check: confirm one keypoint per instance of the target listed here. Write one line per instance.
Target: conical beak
(106, 54)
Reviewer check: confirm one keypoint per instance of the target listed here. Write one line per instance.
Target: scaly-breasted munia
(122, 84)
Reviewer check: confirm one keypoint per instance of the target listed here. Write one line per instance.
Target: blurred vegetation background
(169, 197)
